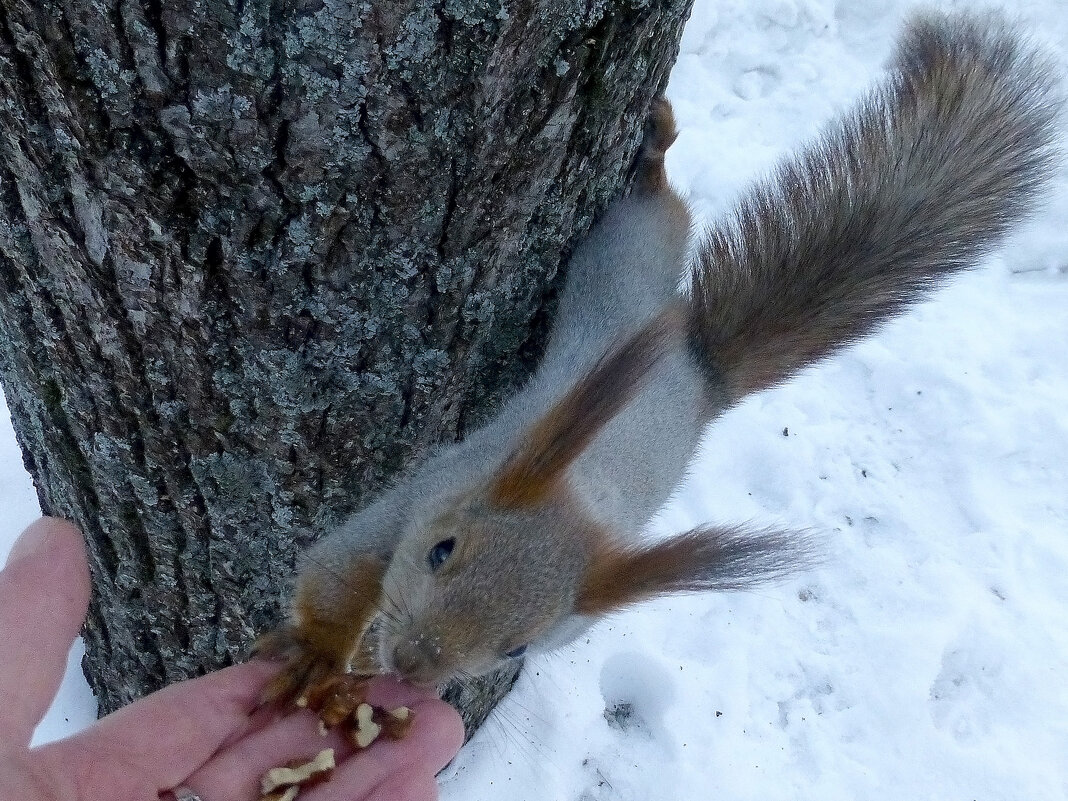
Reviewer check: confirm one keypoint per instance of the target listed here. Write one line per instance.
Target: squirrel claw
(305, 670)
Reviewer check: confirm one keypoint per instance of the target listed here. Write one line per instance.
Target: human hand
(205, 734)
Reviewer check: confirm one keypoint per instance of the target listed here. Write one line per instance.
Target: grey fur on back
(625, 271)
(917, 182)
(620, 275)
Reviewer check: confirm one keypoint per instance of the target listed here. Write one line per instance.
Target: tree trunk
(257, 257)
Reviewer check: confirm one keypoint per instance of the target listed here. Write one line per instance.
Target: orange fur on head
(531, 473)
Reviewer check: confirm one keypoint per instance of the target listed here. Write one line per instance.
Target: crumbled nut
(341, 702)
(301, 774)
(312, 697)
(395, 723)
(366, 730)
(341, 699)
(287, 794)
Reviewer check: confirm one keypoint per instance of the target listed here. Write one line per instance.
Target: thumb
(44, 592)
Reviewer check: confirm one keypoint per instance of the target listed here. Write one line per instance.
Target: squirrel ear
(699, 560)
(530, 474)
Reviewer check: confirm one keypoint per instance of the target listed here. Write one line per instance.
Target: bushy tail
(921, 179)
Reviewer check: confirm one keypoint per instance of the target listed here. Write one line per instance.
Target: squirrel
(529, 530)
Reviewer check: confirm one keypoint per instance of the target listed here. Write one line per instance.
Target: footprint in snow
(637, 691)
(753, 84)
(963, 694)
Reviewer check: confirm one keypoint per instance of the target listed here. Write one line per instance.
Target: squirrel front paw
(306, 665)
(330, 614)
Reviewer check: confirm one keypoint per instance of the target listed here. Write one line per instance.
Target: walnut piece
(340, 699)
(341, 702)
(395, 723)
(366, 731)
(301, 774)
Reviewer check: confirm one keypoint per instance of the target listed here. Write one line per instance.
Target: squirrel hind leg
(660, 133)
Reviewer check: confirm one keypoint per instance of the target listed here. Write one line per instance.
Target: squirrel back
(526, 532)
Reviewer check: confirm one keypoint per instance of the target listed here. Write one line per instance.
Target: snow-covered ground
(928, 659)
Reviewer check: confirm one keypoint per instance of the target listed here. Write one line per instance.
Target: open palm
(206, 733)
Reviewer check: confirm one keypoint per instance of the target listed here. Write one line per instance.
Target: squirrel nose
(417, 660)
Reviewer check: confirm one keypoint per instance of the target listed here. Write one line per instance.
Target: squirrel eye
(515, 653)
(440, 552)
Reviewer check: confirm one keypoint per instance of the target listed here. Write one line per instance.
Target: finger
(390, 692)
(401, 770)
(416, 786)
(166, 736)
(435, 736)
(234, 773)
(44, 592)
(384, 691)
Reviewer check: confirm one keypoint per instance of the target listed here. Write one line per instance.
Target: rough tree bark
(256, 257)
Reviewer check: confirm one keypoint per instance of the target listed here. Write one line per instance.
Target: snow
(926, 660)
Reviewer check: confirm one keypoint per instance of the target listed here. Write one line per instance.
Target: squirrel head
(518, 561)
(477, 585)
